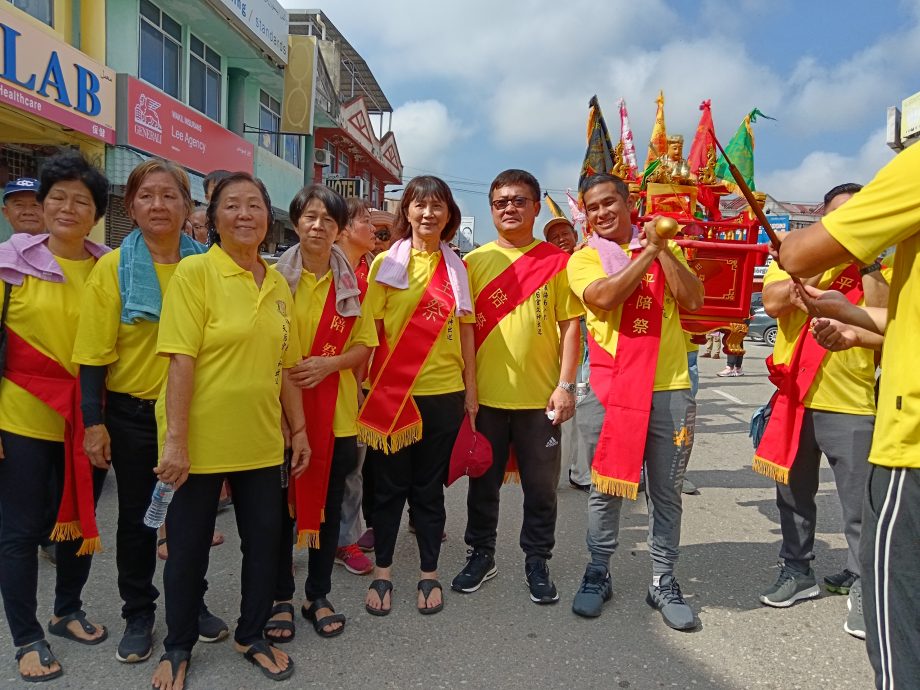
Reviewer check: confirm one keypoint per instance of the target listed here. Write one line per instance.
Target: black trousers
(321, 560)
(536, 445)
(31, 481)
(416, 473)
(368, 493)
(190, 525)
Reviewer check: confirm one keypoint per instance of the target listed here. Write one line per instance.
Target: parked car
(762, 327)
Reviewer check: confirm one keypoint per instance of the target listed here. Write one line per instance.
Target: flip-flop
(381, 587)
(321, 623)
(426, 587)
(175, 659)
(61, 630)
(45, 658)
(284, 626)
(264, 648)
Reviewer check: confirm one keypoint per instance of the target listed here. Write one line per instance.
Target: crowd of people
(327, 392)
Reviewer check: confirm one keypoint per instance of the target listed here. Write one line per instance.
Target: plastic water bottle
(159, 503)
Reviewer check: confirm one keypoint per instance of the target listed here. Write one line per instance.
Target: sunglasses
(383, 236)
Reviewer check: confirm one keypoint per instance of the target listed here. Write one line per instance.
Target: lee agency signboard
(55, 81)
(151, 121)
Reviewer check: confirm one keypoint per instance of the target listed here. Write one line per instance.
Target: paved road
(498, 638)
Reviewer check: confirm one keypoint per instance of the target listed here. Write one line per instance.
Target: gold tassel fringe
(406, 437)
(90, 546)
(65, 531)
(392, 442)
(308, 538)
(614, 487)
(770, 469)
(291, 511)
(372, 439)
(512, 477)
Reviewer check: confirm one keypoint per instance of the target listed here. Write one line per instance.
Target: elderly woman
(226, 328)
(121, 377)
(40, 425)
(417, 292)
(334, 342)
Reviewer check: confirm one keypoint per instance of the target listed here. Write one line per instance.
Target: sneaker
(595, 590)
(840, 583)
(666, 597)
(542, 588)
(727, 371)
(49, 551)
(705, 355)
(480, 566)
(366, 540)
(855, 624)
(137, 643)
(738, 372)
(580, 487)
(353, 559)
(791, 586)
(210, 627)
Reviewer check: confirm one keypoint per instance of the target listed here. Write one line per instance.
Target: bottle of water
(159, 503)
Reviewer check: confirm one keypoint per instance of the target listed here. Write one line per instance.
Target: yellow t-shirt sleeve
(375, 301)
(100, 315)
(882, 214)
(584, 268)
(774, 274)
(182, 318)
(568, 306)
(678, 253)
(363, 333)
(292, 349)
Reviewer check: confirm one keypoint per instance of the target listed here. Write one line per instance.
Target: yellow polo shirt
(45, 315)
(517, 366)
(886, 212)
(671, 372)
(845, 382)
(309, 301)
(241, 337)
(442, 370)
(128, 350)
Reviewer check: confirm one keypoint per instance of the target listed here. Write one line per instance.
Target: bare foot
(279, 663)
(78, 631)
(31, 667)
(278, 633)
(163, 678)
(322, 613)
(217, 539)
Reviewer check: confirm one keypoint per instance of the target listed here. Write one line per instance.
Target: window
(42, 10)
(292, 149)
(269, 123)
(330, 149)
(375, 193)
(204, 79)
(160, 49)
(343, 164)
(367, 185)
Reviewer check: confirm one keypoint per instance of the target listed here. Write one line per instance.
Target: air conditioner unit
(322, 157)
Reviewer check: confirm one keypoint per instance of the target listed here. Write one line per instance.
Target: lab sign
(55, 81)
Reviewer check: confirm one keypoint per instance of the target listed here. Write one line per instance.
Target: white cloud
(425, 132)
(821, 170)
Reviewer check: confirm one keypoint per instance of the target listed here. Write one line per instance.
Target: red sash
(624, 383)
(389, 419)
(506, 292)
(51, 383)
(308, 492)
(361, 272)
(780, 442)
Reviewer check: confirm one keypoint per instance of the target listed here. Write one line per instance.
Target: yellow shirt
(309, 301)
(442, 371)
(671, 372)
(845, 382)
(241, 338)
(885, 213)
(45, 315)
(517, 366)
(128, 350)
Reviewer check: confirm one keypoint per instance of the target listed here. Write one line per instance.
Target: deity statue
(673, 167)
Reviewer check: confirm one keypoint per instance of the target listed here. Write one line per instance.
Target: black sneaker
(595, 590)
(480, 566)
(542, 588)
(840, 583)
(667, 598)
(210, 627)
(137, 642)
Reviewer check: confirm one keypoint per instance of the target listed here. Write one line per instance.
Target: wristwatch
(871, 268)
(567, 387)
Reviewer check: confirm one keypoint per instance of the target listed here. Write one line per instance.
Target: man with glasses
(527, 351)
(383, 230)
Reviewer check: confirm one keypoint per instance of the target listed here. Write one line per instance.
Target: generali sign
(152, 122)
(55, 81)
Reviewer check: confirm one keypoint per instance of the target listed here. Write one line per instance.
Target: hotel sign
(53, 80)
(346, 186)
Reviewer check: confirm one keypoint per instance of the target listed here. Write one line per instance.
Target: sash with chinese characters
(779, 445)
(51, 383)
(308, 492)
(361, 272)
(624, 383)
(389, 419)
(510, 289)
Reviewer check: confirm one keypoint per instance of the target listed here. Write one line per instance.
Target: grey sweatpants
(845, 439)
(667, 451)
(350, 526)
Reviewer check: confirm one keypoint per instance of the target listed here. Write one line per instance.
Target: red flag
(703, 140)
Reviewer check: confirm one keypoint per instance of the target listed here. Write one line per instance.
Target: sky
(479, 86)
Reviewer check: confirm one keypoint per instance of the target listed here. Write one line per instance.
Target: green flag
(599, 154)
(741, 152)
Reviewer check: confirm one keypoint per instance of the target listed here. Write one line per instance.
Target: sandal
(264, 648)
(164, 554)
(61, 630)
(283, 626)
(382, 588)
(45, 658)
(175, 659)
(426, 587)
(320, 624)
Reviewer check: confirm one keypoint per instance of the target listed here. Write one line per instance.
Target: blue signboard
(780, 223)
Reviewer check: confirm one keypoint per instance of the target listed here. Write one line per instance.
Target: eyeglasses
(518, 201)
(383, 236)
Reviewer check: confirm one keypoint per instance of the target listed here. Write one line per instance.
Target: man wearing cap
(559, 231)
(383, 222)
(21, 207)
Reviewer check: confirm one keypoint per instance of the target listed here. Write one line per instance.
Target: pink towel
(613, 258)
(394, 271)
(28, 255)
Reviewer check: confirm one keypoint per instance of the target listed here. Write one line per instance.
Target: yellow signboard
(910, 116)
(297, 106)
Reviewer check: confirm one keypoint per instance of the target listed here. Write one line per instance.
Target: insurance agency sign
(266, 21)
(55, 81)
